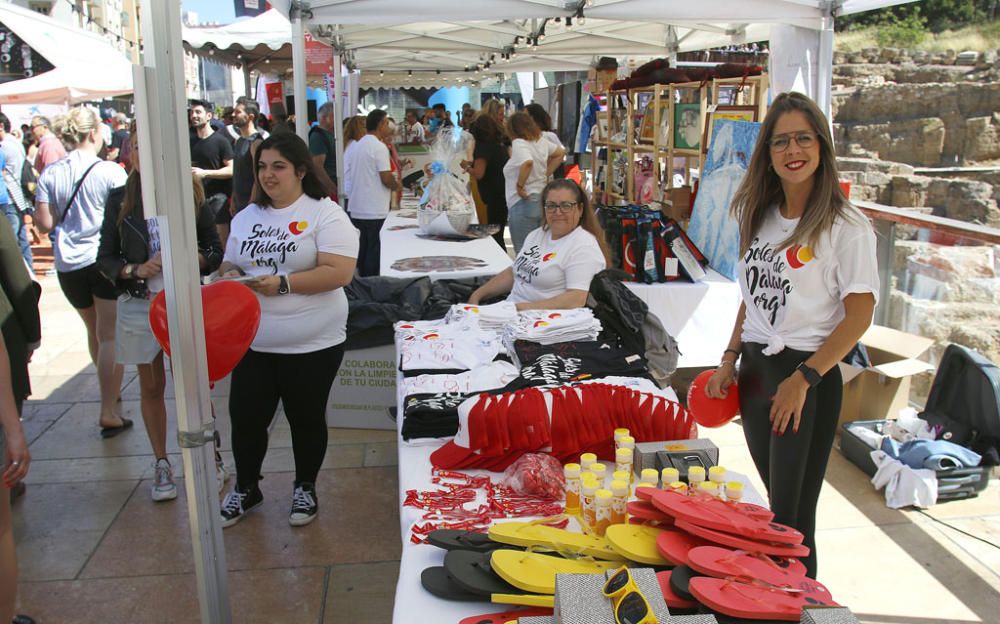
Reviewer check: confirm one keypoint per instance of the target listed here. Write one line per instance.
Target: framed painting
(735, 113)
(687, 131)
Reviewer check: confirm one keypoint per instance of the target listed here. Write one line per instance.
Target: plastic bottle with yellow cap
(572, 474)
(734, 490)
(623, 461)
(586, 460)
(669, 475)
(649, 476)
(602, 513)
(620, 433)
(600, 472)
(619, 501)
(588, 490)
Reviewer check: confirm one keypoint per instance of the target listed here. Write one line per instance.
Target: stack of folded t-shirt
(430, 407)
(555, 364)
(493, 317)
(444, 348)
(495, 430)
(552, 326)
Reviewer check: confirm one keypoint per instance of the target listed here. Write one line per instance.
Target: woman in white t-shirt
(558, 260)
(809, 279)
(302, 249)
(70, 199)
(533, 158)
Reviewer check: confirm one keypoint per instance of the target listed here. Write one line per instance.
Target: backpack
(627, 322)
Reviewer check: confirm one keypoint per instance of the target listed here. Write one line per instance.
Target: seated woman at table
(558, 260)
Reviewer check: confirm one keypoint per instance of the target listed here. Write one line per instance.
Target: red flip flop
(780, 571)
(646, 493)
(743, 543)
(506, 616)
(669, 596)
(706, 511)
(675, 545)
(644, 510)
(754, 601)
(748, 509)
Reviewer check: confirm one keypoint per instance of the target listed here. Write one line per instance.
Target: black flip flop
(451, 539)
(472, 572)
(436, 581)
(680, 578)
(110, 432)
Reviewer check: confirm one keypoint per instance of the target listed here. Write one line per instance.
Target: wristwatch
(129, 271)
(812, 377)
(283, 287)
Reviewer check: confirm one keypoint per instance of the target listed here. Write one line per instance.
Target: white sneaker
(222, 473)
(164, 488)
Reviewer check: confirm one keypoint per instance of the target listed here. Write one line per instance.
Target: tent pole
(299, 69)
(824, 78)
(338, 114)
(167, 165)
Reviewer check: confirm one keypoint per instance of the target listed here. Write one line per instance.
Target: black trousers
(496, 212)
(369, 245)
(302, 382)
(792, 466)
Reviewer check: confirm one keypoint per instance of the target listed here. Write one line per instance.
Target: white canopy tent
(87, 67)
(430, 35)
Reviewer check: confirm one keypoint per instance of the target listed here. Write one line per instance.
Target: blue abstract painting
(713, 229)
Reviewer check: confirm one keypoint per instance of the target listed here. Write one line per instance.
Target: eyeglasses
(630, 605)
(562, 207)
(781, 142)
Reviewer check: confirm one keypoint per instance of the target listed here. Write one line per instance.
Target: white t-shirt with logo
(794, 296)
(538, 153)
(272, 241)
(369, 198)
(546, 268)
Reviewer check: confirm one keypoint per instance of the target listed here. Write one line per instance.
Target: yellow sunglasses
(630, 606)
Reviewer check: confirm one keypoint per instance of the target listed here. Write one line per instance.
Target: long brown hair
(132, 202)
(588, 220)
(761, 188)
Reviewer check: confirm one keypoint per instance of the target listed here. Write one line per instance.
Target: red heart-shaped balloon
(232, 316)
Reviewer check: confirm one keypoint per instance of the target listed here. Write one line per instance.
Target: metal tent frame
(382, 34)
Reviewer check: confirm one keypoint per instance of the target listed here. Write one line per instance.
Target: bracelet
(724, 362)
(733, 351)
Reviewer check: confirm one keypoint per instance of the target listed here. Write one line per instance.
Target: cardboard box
(677, 203)
(364, 390)
(881, 390)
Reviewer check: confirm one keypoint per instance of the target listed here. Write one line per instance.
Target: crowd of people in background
(76, 179)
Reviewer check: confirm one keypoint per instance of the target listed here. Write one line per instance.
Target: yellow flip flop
(536, 573)
(525, 600)
(636, 542)
(530, 534)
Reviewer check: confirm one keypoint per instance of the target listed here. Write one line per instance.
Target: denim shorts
(134, 341)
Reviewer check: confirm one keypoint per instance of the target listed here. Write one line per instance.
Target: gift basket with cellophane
(446, 194)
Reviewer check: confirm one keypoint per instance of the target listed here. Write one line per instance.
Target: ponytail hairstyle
(75, 127)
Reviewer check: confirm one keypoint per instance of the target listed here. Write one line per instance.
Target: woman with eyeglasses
(809, 279)
(558, 260)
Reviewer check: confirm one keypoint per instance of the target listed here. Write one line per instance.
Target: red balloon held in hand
(232, 315)
(709, 412)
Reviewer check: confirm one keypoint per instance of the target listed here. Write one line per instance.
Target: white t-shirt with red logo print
(270, 241)
(794, 296)
(546, 268)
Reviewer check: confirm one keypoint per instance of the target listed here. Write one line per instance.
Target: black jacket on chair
(128, 243)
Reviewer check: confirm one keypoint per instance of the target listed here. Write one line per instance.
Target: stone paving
(94, 548)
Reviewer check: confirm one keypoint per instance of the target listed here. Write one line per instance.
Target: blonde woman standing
(70, 199)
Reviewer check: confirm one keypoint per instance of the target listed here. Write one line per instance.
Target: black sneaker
(237, 503)
(304, 505)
